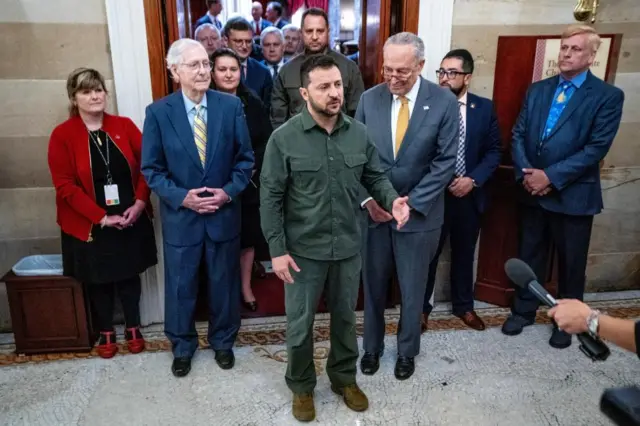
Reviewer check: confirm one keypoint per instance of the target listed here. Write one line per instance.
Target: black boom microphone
(522, 275)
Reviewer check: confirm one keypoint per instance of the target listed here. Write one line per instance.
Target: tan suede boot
(303, 408)
(352, 396)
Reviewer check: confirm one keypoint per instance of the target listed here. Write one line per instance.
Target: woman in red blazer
(103, 207)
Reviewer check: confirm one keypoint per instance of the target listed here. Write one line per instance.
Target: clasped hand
(205, 205)
(536, 182)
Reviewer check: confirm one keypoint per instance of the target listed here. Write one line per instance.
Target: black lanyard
(107, 159)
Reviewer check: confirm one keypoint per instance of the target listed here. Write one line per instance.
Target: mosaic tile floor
(463, 377)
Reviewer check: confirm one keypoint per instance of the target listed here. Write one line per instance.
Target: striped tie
(200, 134)
(460, 168)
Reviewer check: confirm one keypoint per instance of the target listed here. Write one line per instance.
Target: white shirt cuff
(365, 202)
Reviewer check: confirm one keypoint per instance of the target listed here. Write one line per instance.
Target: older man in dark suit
(566, 127)
(197, 157)
(465, 200)
(414, 125)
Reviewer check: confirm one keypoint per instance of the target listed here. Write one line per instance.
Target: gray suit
(422, 170)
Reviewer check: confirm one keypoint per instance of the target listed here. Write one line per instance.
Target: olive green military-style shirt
(309, 187)
(286, 100)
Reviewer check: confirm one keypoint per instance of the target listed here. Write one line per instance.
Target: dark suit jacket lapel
(548, 91)
(384, 119)
(214, 123)
(471, 143)
(418, 115)
(576, 100)
(180, 123)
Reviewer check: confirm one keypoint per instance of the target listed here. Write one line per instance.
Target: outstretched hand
(401, 211)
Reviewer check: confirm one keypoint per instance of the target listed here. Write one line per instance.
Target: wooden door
(169, 20)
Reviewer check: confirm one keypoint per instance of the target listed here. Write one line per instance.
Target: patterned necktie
(559, 102)
(460, 163)
(275, 71)
(200, 133)
(402, 123)
(244, 71)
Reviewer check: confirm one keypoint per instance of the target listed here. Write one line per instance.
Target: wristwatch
(592, 322)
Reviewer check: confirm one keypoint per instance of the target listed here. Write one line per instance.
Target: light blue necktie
(559, 102)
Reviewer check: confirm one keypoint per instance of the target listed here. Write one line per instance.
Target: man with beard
(286, 100)
(465, 200)
(414, 125)
(311, 174)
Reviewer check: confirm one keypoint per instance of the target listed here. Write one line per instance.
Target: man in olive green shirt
(286, 100)
(312, 169)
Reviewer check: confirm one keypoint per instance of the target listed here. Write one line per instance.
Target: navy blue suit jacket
(259, 80)
(570, 156)
(171, 165)
(483, 149)
(206, 19)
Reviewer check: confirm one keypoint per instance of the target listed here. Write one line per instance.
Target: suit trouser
(341, 281)
(570, 235)
(181, 269)
(461, 226)
(411, 252)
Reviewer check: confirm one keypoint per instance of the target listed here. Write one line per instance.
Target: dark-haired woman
(103, 207)
(226, 78)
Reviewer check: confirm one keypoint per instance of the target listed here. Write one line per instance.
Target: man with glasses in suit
(465, 200)
(414, 125)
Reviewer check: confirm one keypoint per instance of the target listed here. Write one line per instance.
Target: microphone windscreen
(519, 272)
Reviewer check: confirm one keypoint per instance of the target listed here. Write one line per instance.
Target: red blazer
(70, 166)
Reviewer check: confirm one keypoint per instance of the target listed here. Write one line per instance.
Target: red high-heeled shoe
(135, 341)
(107, 347)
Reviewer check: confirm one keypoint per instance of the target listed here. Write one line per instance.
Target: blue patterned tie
(460, 163)
(559, 102)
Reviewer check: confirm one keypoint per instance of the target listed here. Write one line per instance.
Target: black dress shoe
(514, 325)
(560, 339)
(252, 306)
(181, 366)
(370, 363)
(404, 368)
(225, 359)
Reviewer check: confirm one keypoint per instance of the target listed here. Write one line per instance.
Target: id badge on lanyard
(111, 195)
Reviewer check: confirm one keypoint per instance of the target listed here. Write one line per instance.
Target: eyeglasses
(194, 66)
(401, 73)
(451, 74)
(238, 42)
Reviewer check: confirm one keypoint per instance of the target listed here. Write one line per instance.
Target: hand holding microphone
(522, 275)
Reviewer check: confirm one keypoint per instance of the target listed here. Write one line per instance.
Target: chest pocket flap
(355, 160)
(305, 165)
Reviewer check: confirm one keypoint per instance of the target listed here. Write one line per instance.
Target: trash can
(48, 310)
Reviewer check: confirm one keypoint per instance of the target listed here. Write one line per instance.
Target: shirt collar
(190, 105)
(213, 18)
(463, 99)
(578, 80)
(309, 123)
(413, 93)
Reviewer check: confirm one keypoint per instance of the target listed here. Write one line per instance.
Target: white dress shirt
(279, 65)
(462, 103)
(412, 96)
(396, 103)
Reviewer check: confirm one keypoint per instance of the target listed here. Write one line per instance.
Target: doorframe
(134, 90)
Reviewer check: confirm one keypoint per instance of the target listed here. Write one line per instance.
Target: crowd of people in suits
(293, 153)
